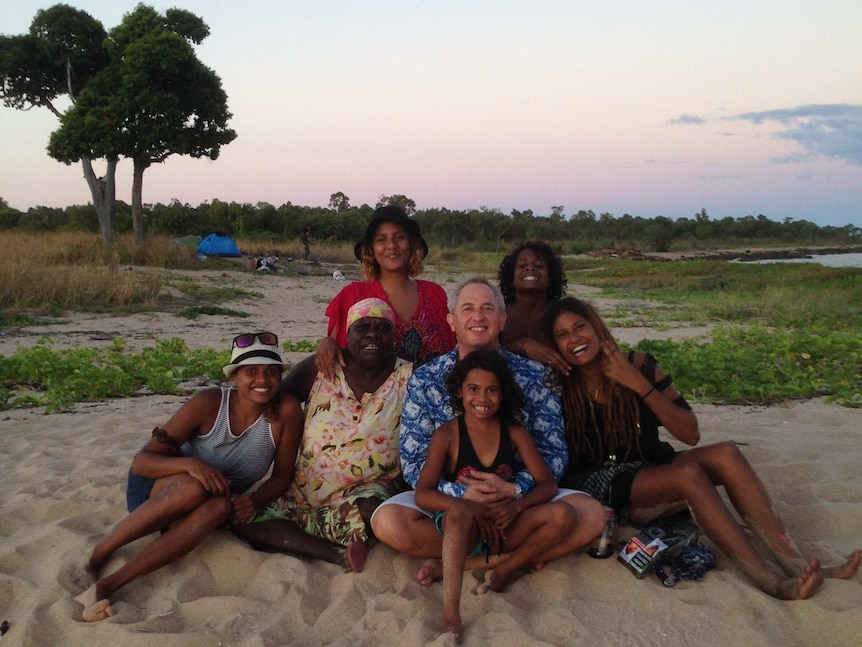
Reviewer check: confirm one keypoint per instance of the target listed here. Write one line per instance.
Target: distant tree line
(481, 228)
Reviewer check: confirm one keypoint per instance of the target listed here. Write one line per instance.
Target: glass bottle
(604, 545)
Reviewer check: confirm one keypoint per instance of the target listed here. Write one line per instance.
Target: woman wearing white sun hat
(194, 473)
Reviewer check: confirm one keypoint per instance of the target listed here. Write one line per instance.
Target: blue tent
(218, 245)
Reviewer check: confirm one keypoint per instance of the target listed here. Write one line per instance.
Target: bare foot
(94, 611)
(494, 581)
(99, 611)
(847, 570)
(804, 586)
(431, 571)
(538, 566)
(356, 554)
(451, 626)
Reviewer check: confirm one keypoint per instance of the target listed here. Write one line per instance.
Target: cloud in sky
(687, 120)
(832, 131)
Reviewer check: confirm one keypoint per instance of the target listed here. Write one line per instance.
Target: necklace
(593, 391)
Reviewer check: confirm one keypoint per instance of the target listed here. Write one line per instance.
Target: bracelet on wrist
(517, 490)
(647, 394)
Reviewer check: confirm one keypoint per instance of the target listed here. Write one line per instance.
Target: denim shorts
(478, 549)
(138, 490)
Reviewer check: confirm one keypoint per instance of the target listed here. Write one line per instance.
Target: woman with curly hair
(392, 254)
(531, 277)
(613, 405)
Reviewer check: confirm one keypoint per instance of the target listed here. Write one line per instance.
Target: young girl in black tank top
(467, 462)
(486, 437)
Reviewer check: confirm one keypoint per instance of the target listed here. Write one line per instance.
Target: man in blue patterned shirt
(477, 314)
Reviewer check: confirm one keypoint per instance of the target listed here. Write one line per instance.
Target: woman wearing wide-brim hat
(392, 253)
(196, 473)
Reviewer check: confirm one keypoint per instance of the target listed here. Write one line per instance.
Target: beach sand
(62, 482)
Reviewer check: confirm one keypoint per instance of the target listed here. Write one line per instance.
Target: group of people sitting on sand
(488, 429)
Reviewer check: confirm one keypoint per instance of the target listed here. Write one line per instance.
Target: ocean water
(829, 260)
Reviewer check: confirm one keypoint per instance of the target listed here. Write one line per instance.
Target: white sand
(62, 480)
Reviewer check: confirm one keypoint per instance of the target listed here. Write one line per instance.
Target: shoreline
(728, 254)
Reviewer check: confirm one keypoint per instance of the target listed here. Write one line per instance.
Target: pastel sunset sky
(646, 108)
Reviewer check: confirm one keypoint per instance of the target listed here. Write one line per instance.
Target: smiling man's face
(477, 319)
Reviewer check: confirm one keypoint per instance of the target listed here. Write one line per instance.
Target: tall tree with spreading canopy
(398, 200)
(154, 99)
(51, 63)
(339, 202)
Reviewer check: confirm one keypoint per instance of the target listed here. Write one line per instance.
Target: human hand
(488, 532)
(210, 478)
(502, 514)
(486, 488)
(545, 355)
(616, 367)
(328, 357)
(243, 507)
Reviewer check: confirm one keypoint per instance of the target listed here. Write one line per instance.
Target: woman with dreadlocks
(613, 405)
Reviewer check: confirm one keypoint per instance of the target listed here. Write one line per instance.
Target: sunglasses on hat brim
(247, 339)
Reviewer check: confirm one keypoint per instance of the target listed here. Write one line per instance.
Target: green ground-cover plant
(13, 318)
(783, 330)
(302, 346)
(45, 376)
(760, 365)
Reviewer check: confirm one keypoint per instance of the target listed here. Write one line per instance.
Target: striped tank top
(244, 459)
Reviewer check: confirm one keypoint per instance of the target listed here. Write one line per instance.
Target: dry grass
(73, 270)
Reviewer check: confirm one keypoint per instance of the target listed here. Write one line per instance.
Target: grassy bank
(777, 294)
(781, 330)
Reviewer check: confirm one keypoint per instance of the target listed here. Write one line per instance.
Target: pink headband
(369, 308)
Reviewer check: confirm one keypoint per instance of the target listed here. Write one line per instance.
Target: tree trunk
(137, 203)
(104, 190)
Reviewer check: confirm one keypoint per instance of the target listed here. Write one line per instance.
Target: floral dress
(349, 452)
